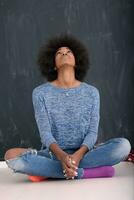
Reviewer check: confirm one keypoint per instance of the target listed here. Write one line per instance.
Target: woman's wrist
(82, 151)
(59, 153)
(61, 156)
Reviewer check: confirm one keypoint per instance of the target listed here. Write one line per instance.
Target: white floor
(15, 186)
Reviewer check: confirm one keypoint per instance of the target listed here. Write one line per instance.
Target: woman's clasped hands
(70, 166)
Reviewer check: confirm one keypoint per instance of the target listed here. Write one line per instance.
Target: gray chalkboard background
(105, 26)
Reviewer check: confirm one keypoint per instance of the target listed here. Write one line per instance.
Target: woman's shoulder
(42, 88)
(91, 88)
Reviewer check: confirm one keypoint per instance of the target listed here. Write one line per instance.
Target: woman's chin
(66, 65)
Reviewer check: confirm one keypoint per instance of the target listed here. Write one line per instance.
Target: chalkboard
(104, 26)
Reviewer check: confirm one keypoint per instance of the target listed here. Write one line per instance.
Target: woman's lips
(65, 58)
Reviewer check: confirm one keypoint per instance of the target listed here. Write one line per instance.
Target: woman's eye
(61, 52)
(69, 51)
(58, 52)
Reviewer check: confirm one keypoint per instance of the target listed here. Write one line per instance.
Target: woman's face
(64, 56)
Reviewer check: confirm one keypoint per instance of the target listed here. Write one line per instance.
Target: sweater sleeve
(92, 133)
(42, 120)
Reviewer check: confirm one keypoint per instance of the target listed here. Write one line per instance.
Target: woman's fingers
(71, 163)
(69, 168)
(69, 172)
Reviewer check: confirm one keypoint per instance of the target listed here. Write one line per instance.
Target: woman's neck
(66, 84)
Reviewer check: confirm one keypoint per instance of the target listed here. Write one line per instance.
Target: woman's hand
(76, 157)
(69, 168)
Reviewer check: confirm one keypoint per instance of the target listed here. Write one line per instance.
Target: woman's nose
(64, 53)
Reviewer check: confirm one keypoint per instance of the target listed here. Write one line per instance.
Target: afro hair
(46, 56)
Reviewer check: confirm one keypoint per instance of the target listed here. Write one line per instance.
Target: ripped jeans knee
(18, 163)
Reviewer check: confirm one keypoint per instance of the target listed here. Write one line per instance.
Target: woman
(67, 112)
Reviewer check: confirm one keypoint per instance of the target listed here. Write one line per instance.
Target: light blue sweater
(68, 117)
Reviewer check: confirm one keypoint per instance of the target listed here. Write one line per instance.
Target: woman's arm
(42, 120)
(43, 124)
(92, 132)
